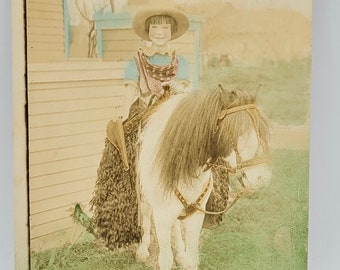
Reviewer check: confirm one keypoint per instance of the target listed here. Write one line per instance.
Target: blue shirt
(132, 73)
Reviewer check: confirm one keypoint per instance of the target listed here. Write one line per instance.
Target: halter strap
(189, 209)
(226, 112)
(257, 159)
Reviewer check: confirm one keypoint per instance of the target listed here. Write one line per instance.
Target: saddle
(138, 115)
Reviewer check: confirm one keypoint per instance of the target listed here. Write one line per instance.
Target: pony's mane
(194, 134)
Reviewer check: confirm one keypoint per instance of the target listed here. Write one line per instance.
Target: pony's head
(245, 128)
(208, 125)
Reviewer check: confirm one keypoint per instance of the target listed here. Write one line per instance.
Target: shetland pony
(178, 145)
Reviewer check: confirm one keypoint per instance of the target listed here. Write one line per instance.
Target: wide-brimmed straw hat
(138, 22)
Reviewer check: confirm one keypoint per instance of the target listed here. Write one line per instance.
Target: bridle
(258, 159)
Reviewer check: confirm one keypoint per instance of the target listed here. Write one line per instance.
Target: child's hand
(172, 84)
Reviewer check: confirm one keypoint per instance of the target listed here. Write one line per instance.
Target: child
(157, 66)
(156, 69)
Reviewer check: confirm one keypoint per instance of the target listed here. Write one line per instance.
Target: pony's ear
(220, 87)
(223, 112)
(256, 91)
(235, 90)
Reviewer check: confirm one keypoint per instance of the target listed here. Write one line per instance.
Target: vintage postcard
(163, 134)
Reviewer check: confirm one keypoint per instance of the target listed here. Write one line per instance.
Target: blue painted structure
(66, 29)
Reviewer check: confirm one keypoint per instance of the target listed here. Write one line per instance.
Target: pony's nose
(257, 177)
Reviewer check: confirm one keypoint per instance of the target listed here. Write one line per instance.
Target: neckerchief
(151, 76)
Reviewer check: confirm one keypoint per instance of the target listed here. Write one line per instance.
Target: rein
(190, 209)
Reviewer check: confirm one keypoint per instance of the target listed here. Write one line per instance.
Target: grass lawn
(266, 231)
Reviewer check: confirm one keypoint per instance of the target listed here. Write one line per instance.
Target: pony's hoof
(182, 261)
(142, 254)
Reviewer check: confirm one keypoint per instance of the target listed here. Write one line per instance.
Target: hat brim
(138, 22)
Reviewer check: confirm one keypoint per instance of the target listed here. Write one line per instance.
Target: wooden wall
(70, 104)
(119, 44)
(45, 31)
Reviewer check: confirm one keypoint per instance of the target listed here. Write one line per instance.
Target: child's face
(160, 34)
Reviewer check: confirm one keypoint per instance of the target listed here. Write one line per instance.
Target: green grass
(265, 231)
(268, 231)
(284, 87)
(85, 256)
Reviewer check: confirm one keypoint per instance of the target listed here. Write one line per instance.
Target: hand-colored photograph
(167, 134)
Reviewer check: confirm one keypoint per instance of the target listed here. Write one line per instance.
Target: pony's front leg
(179, 247)
(192, 231)
(163, 225)
(142, 252)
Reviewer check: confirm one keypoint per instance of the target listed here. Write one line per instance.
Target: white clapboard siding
(45, 36)
(73, 117)
(45, 193)
(44, 132)
(55, 214)
(120, 44)
(51, 227)
(47, 46)
(72, 75)
(63, 177)
(67, 201)
(41, 14)
(45, 31)
(57, 239)
(69, 105)
(81, 104)
(57, 232)
(86, 91)
(66, 141)
(45, 5)
(63, 165)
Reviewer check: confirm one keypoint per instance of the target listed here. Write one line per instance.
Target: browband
(223, 113)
